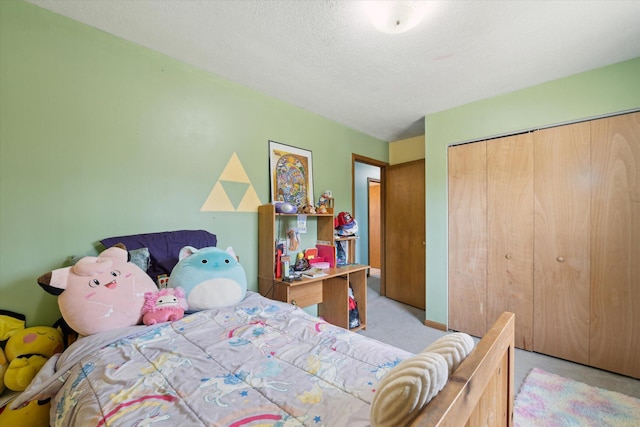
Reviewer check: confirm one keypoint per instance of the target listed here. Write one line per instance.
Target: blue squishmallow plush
(210, 277)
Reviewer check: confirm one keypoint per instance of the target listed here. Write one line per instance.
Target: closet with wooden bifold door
(562, 230)
(546, 224)
(491, 235)
(615, 244)
(467, 168)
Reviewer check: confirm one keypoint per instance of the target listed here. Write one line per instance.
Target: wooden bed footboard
(480, 392)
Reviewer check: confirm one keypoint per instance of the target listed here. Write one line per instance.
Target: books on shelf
(313, 273)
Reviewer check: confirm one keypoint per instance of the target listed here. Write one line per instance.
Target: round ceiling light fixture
(394, 17)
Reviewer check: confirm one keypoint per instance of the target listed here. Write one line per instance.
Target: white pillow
(410, 385)
(453, 347)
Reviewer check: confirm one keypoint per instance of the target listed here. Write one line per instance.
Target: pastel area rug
(550, 400)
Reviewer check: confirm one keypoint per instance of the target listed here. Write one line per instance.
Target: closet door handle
(560, 259)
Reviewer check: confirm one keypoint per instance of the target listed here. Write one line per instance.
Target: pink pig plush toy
(165, 305)
(99, 293)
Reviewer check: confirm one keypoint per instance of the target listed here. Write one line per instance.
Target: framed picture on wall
(291, 174)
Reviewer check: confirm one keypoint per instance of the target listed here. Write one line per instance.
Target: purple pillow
(164, 247)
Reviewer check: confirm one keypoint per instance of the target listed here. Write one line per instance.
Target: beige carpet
(402, 326)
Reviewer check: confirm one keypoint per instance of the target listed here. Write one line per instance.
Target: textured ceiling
(325, 56)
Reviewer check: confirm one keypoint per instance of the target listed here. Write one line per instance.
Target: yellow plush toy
(27, 351)
(35, 414)
(4, 364)
(10, 323)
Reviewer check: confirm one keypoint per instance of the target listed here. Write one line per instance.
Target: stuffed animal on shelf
(308, 209)
(165, 305)
(100, 293)
(211, 277)
(27, 351)
(325, 202)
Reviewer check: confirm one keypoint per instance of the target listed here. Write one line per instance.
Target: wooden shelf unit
(330, 292)
(350, 242)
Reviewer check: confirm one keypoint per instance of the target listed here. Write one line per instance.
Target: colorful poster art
(291, 172)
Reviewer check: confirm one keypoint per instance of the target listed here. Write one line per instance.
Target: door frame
(370, 182)
(382, 165)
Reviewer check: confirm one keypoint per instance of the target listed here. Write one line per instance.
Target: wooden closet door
(615, 244)
(562, 242)
(467, 170)
(510, 233)
(405, 248)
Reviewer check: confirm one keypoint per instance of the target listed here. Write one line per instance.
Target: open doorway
(368, 210)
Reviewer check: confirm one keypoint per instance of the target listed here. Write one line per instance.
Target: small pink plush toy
(165, 305)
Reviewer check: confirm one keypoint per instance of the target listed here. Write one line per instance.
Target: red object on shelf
(311, 253)
(328, 252)
(278, 264)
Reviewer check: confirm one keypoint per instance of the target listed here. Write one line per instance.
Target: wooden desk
(330, 292)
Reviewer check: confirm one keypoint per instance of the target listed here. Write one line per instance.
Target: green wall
(603, 91)
(100, 137)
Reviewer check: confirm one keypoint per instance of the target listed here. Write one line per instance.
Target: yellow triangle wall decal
(250, 201)
(219, 201)
(234, 171)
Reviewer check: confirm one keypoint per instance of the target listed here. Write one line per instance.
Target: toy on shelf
(325, 203)
(308, 209)
(301, 263)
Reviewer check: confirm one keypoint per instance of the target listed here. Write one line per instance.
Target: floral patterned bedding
(260, 362)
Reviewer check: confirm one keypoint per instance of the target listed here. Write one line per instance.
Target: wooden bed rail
(480, 392)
